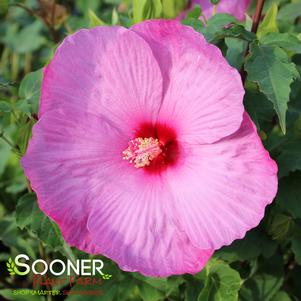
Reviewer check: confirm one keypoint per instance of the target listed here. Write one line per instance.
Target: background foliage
(266, 264)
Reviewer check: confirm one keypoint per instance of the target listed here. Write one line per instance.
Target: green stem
(204, 18)
(4, 58)
(14, 66)
(16, 117)
(69, 253)
(14, 148)
(28, 186)
(44, 256)
(255, 24)
(257, 15)
(27, 62)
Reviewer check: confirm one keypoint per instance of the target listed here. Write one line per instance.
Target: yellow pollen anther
(142, 151)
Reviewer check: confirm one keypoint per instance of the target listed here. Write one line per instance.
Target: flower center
(156, 152)
(141, 151)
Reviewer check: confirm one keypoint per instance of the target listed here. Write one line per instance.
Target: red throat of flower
(154, 148)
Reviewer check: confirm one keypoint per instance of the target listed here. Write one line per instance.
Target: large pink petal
(223, 188)
(72, 76)
(68, 163)
(203, 94)
(105, 70)
(101, 203)
(139, 230)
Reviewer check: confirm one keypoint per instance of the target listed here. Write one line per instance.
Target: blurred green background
(265, 265)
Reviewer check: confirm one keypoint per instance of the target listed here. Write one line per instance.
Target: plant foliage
(266, 264)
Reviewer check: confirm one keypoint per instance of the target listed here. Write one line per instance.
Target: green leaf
(234, 31)
(260, 287)
(296, 247)
(280, 226)
(192, 19)
(288, 197)
(196, 24)
(149, 293)
(218, 27)
(193, 287)
(5, 151)
(85, 6)
(30, 89)
(171, 8)
(281, 296)
(28, 215)
(115, 17)
(221, 26)
(94, 20)
(146, 9)
(216, 24)
(290, 11)
(287, 41)
(222, 283)
(25, 207)
(5, 106)
(235, 51)
(157, 283)
(3, 7)
(271, 69)
(259, 107)
(28, 39)
(163, 286)
(11, 236)
(173, 286)
(24, 133)
(289, 158)
(127, 289)
(254, 244)
(195, 13)
(269, 23)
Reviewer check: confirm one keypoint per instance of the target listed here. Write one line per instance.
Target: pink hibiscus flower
(236, 8)
(143, 152)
